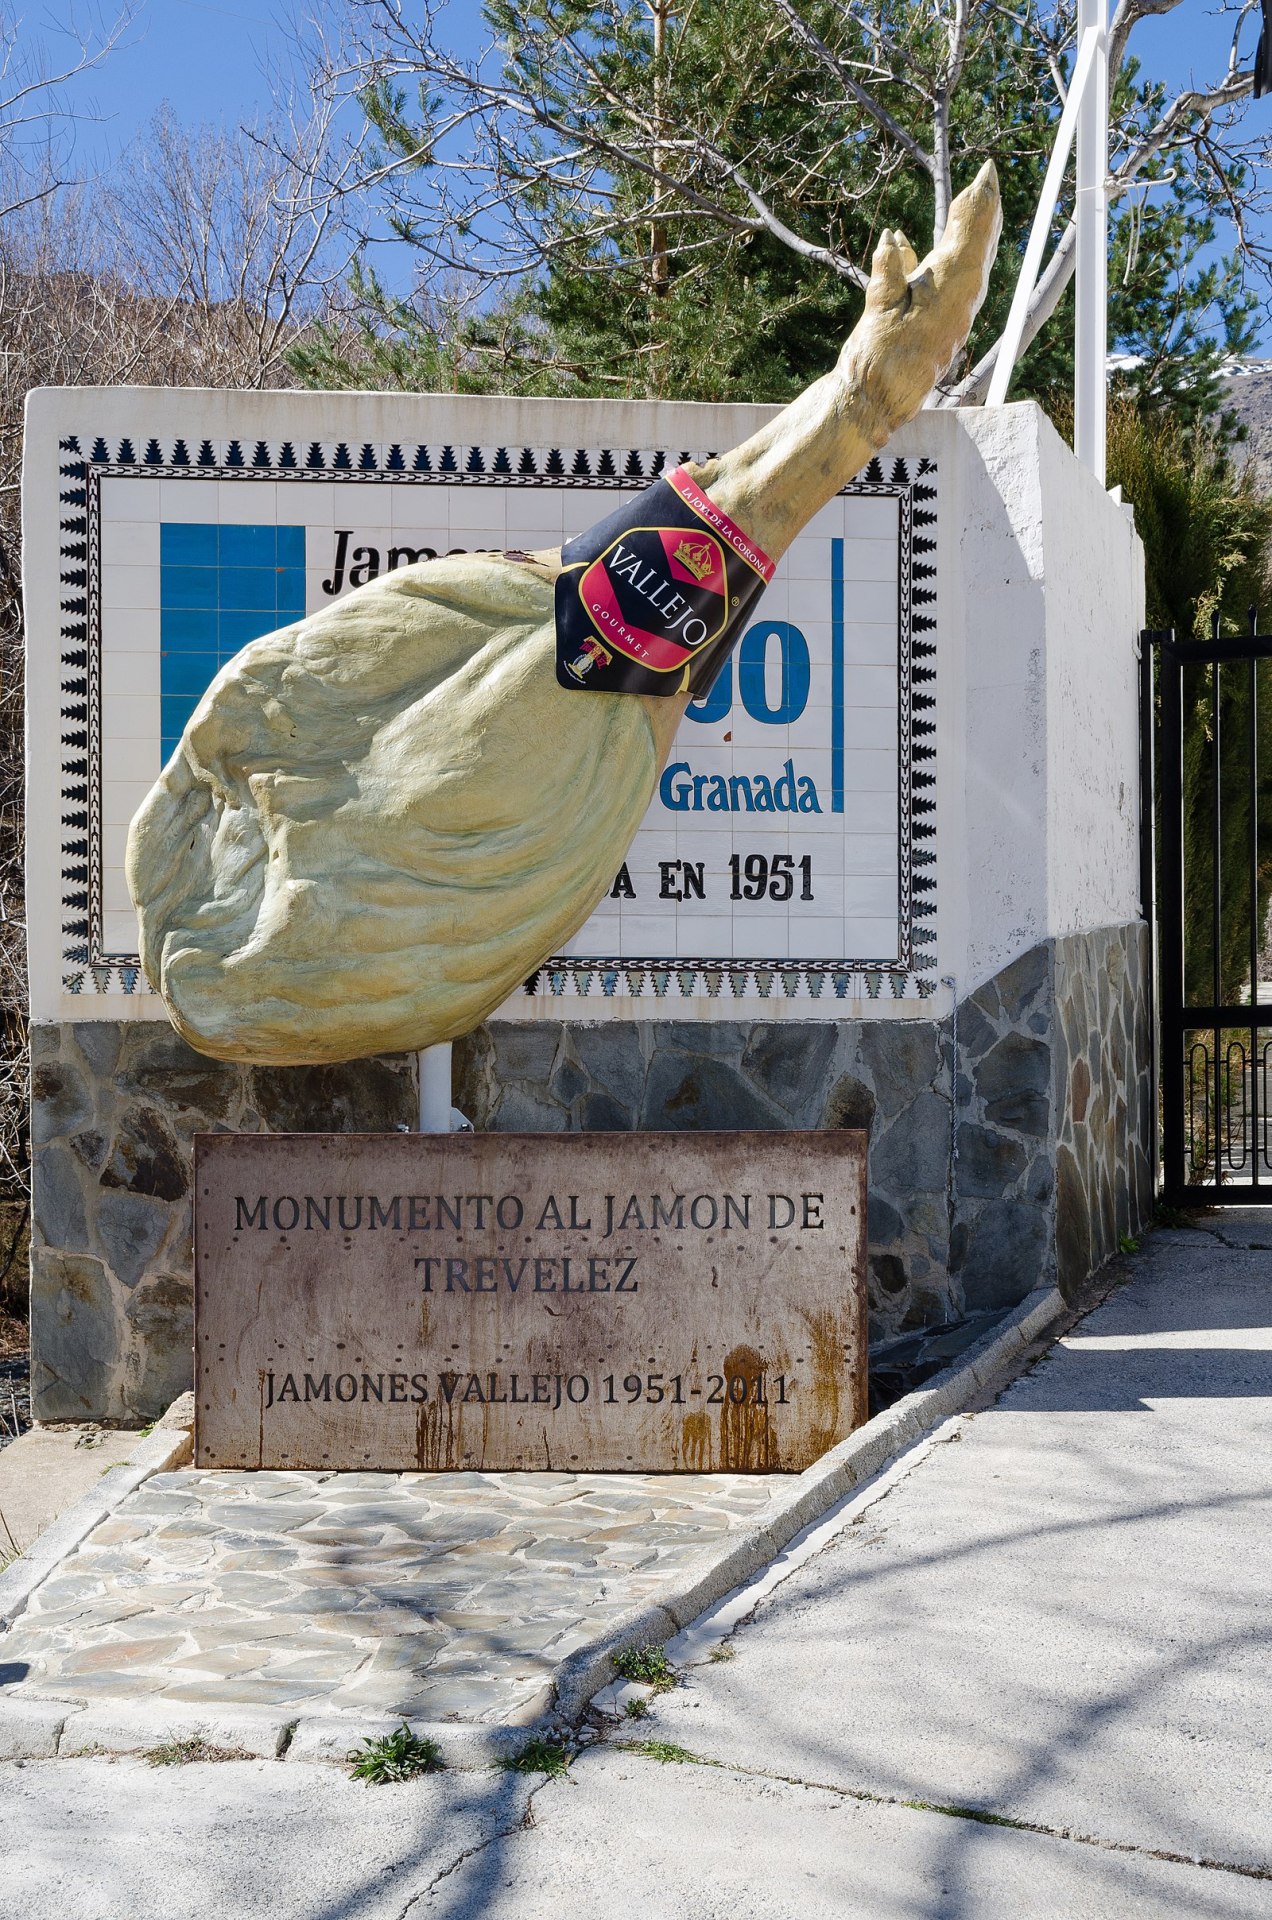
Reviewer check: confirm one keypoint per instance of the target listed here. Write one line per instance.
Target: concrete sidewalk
(1031, 1678)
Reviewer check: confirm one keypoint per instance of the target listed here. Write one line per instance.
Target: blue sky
(210, 59)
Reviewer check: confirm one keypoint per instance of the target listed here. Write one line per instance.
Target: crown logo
(697, 560)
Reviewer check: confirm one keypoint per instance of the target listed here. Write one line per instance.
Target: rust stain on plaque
(611, 1302)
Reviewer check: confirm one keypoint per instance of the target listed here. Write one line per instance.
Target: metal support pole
(435, 1088)
(1091, 338)
(1013, 332)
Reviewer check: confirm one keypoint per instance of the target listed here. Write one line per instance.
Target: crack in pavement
(525, 1821)
(979, 1816)
(1234, 1246)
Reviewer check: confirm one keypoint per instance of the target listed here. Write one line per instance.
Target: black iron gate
(1214, 881)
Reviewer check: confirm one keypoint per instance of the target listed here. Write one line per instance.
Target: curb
(159, 1452)
(34, 1727)
(990, 1364)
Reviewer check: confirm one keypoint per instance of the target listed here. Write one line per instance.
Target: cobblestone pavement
(435, 1596)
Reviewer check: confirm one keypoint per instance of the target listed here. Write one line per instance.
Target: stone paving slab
(473, 1605)
(430, 1596)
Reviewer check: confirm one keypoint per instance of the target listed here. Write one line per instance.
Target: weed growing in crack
(664, 1751)
(393, 1757)
(543, 1754)
(637, 1710)
(180, 1753)
(648, 1666)
(725, 1651)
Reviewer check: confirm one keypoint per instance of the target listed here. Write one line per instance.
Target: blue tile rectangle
(174, 713)
(187, 674)
(187, 629)
(189, 586)
(248, 546)
(221, 587)
(187, 546)
(235, 630)
(248, 587)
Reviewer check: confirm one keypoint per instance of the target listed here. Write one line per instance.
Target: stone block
(137, 1726)
(60, 1101)
(614, 1059)
(988, 1162)
(361, 1096)
(1005, 1254)
(160, 1318)
(58, 1211)
(601, 1113)
(99, 1043)
(692, 1092)
(902, 1058)
(914, 1153)
(850, 1103)
(145, 1158)
(789, 1063)
(30, 1728)
(131, 1228)
(78, 1334)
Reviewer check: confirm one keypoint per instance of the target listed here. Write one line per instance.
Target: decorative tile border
(90, 968)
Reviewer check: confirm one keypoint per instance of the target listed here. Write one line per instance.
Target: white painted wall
(1040, 603)
(1048, 584)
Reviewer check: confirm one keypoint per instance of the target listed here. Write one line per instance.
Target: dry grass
(14, 1336)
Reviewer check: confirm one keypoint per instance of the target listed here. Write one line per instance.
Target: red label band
(719, 522)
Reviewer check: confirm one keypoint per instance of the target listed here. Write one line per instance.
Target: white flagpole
(1092, 213)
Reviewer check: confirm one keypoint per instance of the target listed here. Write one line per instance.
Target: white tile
(130, 630)
(870, 728)
(129, 586)
(871, 853)
(708, 936)
(869, 812)
(870, 645)
(873, 560)
(870, 896)
(121, 798)
(760, 931)
(197, 501)
(316, 577)
(818, 937)
(871, 519)
(646, 935)
(125, 764)
(115, 895)
(870, 686)
(248, 503)
(307, 503)
(480, 510)
(871, 939)
(808, 559)
(809, 600)
(131, 716)
(131, 500)
(114, 845)
(871, 602)
(119, 932)
(130, 672)
(131, 543)
(600, 935)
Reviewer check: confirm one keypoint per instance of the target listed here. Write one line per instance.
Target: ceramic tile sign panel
(516, 1301)
(792, 836)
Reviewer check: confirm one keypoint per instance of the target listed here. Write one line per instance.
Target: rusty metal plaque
(689, 1302)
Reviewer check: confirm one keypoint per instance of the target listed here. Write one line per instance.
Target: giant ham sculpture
(380, 820)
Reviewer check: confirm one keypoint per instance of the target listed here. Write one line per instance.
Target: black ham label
(653, 598)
